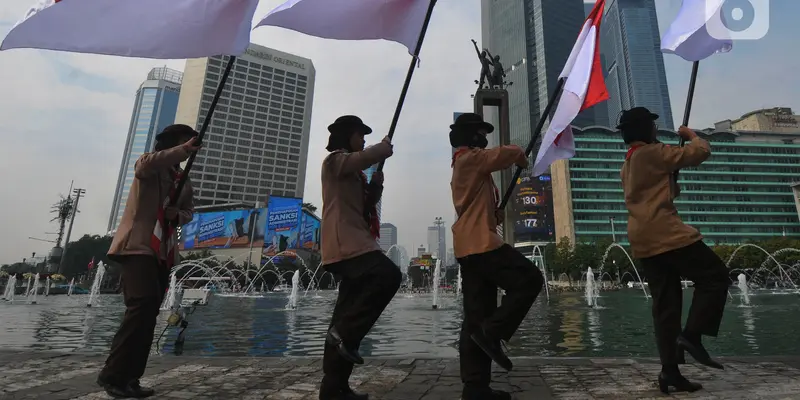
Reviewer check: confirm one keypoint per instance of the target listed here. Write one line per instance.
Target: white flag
(689, 37)
(584, 87)
(164, 29)
(395, 20)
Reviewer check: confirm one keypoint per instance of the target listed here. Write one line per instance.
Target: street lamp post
(78, 194)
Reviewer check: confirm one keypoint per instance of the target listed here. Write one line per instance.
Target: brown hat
(342, 128)
(177, 130)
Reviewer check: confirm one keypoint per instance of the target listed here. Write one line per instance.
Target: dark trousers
(698, 263)
(144, 284)
(369, 282)
(481, 275)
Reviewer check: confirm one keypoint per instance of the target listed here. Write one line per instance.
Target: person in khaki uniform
(486, 261)
(668, 248)
(145, 272)
(350, 250)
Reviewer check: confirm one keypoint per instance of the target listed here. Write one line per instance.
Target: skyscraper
(388, 236)
(153, 110)
(257, 143)
(436, 241)
(631, 46)
(368, 172)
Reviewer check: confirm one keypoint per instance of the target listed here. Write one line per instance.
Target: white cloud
(65, 116)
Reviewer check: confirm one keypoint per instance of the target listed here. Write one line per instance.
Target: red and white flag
(394, 20)
(583, 88)
(698, 31)
(163, 29)
(91, 264)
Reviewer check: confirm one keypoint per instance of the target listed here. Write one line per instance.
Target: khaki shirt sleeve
(673, 158)
(500, 158)
(149, 163)
(348, 163)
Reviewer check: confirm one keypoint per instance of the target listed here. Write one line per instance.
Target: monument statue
(492, 71)
(498, 73)
(486, 62)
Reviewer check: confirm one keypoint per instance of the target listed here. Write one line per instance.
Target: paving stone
(57, 376)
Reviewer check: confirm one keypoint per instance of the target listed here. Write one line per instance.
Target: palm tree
(310, 207)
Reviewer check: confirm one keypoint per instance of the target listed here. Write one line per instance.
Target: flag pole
(207, 121)
(536, 133)
(409, 75)
(688, 110)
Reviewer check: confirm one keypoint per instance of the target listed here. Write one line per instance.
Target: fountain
(292, 305)
(592, 291)
(100, 271)
(47, 287)
(172, 294)
(458, 283)
(639, 277)
(437, 276)
(784, 278)
(71, 286)
(33, 293)
(11, 286)
(538, 260)
(745, 292)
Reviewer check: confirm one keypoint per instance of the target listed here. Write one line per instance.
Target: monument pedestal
(492, 105)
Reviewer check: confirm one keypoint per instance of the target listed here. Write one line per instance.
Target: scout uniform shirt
(475, 197)
(654, 226)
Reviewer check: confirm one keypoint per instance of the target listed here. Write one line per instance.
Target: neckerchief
(495, 190)
(631, 151)
(163, 238)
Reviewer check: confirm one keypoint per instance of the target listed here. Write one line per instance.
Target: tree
(81, 252)
(310, 207)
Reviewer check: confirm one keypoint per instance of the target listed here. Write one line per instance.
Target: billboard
(283, 225)
(224, 230)
(309, 232)
(532, 210)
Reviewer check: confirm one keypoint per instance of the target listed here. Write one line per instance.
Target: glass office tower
(153, 110)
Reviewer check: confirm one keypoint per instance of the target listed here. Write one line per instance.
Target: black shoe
(470, 393)
(493, 349)
(142, 392)
(697, 351)
(117, 390)
(342, 394)
(677, 381)
(335, 340)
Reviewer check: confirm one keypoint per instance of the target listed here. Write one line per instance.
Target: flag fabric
(689, 37)
(394, 20)
(141, 28)
(584, 87)
(91, 264)
(162, 241)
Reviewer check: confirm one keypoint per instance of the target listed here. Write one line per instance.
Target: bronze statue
(485, 63)
(498, 73)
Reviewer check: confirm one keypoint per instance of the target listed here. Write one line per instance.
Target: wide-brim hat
(177, 130)
(472, 122)
(635, 115)
(349, 124)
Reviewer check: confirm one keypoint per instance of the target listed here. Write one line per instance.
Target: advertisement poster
(283, 226)
(224, 230)
(309, 233)
(532, 207)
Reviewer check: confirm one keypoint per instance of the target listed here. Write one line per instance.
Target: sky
(64, 116)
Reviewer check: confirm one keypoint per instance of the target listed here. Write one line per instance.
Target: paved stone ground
(55, 376)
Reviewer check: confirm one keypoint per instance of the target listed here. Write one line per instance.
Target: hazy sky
(65, 116)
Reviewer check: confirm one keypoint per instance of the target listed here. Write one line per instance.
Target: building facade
(777, 119)
(153, 110)
(388, 236)
(630, 43)
(743, 192)
(257, 143)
